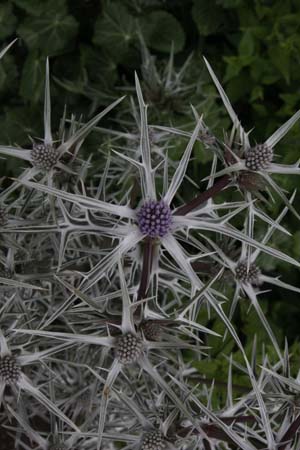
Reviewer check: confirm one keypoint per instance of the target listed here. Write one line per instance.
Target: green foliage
(115, 30)
(7, 20)
(207, 16)
(49, 33)
(161, 30)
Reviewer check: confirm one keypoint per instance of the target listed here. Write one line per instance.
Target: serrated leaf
(50, 33)
(161, 29)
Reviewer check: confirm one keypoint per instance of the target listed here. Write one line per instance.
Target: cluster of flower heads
(103, 284)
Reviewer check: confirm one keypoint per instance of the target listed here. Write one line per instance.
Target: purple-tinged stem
(146, 268)
(204, 196)
(214, 431)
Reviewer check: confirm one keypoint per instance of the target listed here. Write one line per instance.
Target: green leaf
(100, 67)
(19, 123)
(160, 30)
(8, 74)
(7, 20)
(38, 8)
(280, 57)
(235, 64)
(33, 78)
(115, 30)
(296, 241)
(50, 33)
(229, 3)
(257, 93)
(207, 16)
(247, 44)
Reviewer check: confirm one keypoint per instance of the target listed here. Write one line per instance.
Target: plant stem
(146, 268)
(215, 432)
(204, 196)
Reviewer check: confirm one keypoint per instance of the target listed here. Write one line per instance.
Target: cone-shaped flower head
(154, 218)
(129, 348)
(10, 370)
(44, 156)
(153, 440)
(246, 275)
(258, 157)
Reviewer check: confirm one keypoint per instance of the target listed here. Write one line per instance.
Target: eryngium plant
(103, 284)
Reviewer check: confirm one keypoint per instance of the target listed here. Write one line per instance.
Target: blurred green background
(94, 47)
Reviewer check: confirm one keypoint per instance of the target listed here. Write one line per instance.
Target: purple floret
(154, 218)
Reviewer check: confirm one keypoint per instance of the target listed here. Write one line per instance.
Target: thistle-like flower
(154, 219)
(129, 348)
(47, 155)
(10, 370)
(153, 440)
(258, 157)
(11, 374)
(246, 274)
(44, 156)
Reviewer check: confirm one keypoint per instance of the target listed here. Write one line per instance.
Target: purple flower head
(154, 218)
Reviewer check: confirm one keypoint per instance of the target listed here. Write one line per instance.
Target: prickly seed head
(251, 182)
(258, 157)
(247, 276)
(129, 348)
(151, 330)
(154, 218)
(10, 371)
(43, 156)
(153, 440)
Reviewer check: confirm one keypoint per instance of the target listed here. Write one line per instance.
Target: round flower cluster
(10, 370)
(43, 156)
(247, 276)
(153, 441)
(129, 348)
(154, 218)
(258, 157)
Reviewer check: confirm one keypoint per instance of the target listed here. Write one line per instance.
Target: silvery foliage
(103, 280)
